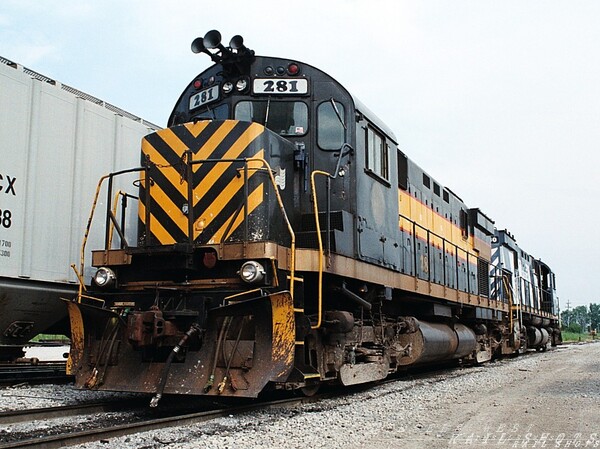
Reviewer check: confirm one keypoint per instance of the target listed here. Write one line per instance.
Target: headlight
(241, 84)
(252, 272)
(227, 87)
(105, 277)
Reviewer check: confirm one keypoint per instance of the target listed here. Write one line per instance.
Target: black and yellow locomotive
(285, 241)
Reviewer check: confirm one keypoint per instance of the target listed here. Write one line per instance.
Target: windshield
(286, 118)
(220, 112)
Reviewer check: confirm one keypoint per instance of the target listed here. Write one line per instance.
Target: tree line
(581, 318)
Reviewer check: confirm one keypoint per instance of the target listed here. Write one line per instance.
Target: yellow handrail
(320, 240)
(279, 201)
(79, 277)
(87, 233)
(114, 212)
(287, 221)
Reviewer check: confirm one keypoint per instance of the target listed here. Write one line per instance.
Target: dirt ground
(555, 404)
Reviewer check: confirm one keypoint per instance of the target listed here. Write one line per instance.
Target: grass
(573, 336)
(50, 337)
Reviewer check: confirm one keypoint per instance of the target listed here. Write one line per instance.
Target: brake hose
(194, 329)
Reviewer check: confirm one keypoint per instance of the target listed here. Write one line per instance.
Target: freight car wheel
(310, 390)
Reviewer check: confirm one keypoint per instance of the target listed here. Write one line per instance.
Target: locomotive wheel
(310, 390)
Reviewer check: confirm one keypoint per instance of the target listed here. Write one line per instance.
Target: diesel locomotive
(284, 241)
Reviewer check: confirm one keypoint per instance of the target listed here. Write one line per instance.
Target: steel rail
(17, 373)
(63, 411)
(91, 435)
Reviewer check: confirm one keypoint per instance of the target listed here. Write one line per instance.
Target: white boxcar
(55, 144)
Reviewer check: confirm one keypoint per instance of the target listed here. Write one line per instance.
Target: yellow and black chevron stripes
(232, 190)
(217, 185)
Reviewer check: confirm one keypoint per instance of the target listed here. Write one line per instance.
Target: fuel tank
(433, 342)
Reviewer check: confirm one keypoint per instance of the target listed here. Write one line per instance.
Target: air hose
(194, 329)
(224, 330)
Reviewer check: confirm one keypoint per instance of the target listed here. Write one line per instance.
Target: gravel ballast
(539, 400)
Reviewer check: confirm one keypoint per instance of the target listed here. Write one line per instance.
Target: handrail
(114, 212)
(320, 241)
(349, 150)
(190, 162)
(86, 235)
(91, 217)
(243, 205)
(113, 219)
(287, 221)
(456, 248)
(511, 305)
(124, 196)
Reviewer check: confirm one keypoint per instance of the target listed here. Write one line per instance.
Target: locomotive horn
(198, 47)
(237, 42)
(212, 39)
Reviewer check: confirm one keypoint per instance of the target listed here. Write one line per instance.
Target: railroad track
(64, 411)
(138, 424)
(143, 419)
(15, 373)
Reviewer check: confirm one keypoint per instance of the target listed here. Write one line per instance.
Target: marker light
(252, 272)
(293, 69)
(105, 277)
(269, 70)
(198, 84)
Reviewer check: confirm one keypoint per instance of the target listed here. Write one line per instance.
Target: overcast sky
(498, 100)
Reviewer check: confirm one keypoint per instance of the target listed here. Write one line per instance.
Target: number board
(285, 86)
(204, 97)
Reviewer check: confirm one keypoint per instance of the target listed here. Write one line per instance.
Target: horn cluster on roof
(237, 55)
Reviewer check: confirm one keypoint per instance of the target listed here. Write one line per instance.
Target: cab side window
(330, 130)
(377, 153)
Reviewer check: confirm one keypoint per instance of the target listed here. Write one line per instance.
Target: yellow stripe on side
(427, 218)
